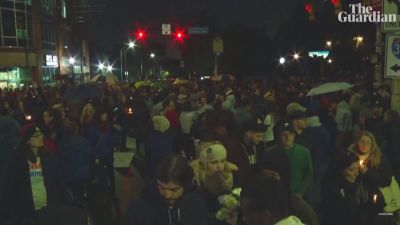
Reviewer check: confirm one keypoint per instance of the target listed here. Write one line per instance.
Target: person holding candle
(345, 198)
(373, 165)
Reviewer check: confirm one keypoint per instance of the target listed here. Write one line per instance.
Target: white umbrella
(329, 87)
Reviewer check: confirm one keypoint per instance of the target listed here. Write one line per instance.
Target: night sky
(121, 16)
(255, 32)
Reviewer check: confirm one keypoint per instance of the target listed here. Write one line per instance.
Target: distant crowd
(328, 159)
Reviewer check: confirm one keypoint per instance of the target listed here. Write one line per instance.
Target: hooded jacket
(151, 209)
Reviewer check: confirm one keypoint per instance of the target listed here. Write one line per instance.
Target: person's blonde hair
(375, 156)
(211, 183)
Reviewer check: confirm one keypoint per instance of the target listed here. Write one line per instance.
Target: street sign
(166, 29)
(391, 7)
(392, 62)
(218, 45)
(198, 30)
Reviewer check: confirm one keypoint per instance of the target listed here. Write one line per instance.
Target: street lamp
(330, 61)
(359, 40)
(71, 61)
(109, 68)
(296, 56)
(152, 55)
(131, 44)
(282, 60)
(101, 66)
(328, 44)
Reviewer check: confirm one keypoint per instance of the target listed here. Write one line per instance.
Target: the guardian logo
(364, 14)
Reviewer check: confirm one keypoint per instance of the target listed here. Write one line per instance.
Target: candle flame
(361, 162)
(130, 111)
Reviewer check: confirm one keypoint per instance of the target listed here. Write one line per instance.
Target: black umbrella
(83, 91)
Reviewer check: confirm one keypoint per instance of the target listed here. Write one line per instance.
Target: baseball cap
(285, 126)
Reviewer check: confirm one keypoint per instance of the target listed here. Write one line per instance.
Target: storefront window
(15, 23)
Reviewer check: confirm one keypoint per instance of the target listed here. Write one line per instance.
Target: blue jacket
(75, 158)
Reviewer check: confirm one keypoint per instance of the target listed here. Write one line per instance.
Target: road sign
(391, 7)
(166, 29)
(218, 45)
(392, 62)
(198, 30)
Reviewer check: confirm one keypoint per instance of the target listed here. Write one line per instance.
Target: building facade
(37, 41)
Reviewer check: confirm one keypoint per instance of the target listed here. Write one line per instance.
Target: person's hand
(363, 169)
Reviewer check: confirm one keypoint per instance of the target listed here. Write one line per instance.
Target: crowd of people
(299, 160)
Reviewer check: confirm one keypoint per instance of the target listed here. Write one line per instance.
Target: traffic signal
(140, 35)
(337, 4)
(309, 8)
(179, 35)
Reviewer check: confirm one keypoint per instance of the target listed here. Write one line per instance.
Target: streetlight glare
(101, 66)
(109, 68)
(131, 44)
(71, 60)
(330, 61)
(282, 60)
(328, 43)
(152, 55)
(296, 56)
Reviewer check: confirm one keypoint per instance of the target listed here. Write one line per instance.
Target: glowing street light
(131, 44)
(328, 44)
(330, 61)
(359, 40)
(152, 55)
(109, 68)
(71, 61)
(101, 66)
(296, 56)
(282, 60)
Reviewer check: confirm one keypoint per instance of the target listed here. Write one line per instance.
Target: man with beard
(170, 200)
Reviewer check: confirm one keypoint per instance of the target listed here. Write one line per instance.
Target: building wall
(38, 36)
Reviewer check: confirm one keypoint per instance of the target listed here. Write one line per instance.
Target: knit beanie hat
(160, 123)
(213, 152)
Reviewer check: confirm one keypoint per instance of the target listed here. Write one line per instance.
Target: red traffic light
(335, 2)
(308, 8)
(140, 35)
(179, 35)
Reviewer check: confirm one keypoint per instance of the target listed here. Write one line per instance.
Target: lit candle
(130, 111)
(361, 162)
(375, 198)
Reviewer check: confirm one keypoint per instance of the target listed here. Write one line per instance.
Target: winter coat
(376, 177)
(346, 203)
(151, 209)
(75, 157)
(157, 146)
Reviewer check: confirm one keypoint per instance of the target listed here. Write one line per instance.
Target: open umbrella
(329, 87)
(142, 83)
(83, 91)
(180, 82)
(109, 79)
